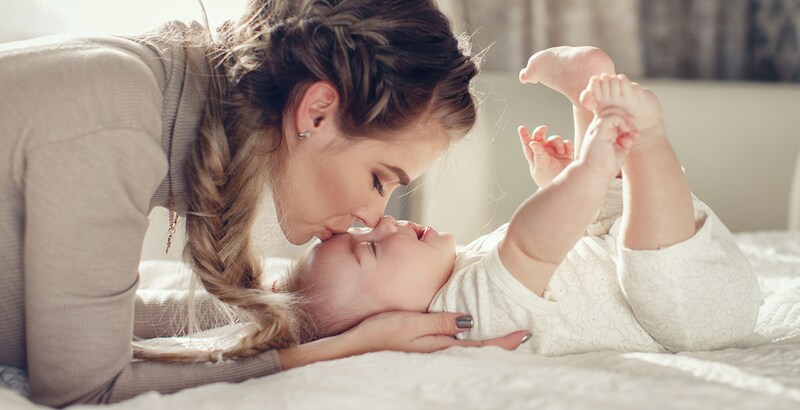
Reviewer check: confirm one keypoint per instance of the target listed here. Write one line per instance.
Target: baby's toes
(528, 74)
(625, 85)
(588, 97)
(615, 85)
(605, 88)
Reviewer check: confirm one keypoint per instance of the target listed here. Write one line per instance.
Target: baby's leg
(568, 70)
(657, 202)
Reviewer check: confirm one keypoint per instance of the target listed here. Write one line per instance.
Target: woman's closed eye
(377, 185)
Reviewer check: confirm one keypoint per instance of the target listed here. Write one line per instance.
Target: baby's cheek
(407, 294)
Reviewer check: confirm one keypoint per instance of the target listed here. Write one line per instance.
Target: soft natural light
(33, 18)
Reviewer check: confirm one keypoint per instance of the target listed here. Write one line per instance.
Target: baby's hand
(608, 141)
(547, 158)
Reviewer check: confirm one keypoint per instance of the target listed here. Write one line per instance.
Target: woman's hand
(421, 332)
(397, 331)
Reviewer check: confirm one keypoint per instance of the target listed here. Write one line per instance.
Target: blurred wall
(755, 40)
(738, 142)
(687, 39)
(24, 19)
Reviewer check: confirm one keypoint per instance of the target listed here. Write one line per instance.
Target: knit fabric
(698, 294)
(89, 128)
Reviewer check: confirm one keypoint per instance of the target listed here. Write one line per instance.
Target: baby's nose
(388, 219)
(387, 224)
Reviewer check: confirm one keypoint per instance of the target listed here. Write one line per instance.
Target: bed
(763, 374)
(766, 374)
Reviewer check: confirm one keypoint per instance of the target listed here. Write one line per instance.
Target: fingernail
(526, 338)
(464, 322)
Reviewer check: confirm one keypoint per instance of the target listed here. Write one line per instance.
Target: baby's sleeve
(498, 303)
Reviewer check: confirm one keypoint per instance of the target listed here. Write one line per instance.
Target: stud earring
(304, 135)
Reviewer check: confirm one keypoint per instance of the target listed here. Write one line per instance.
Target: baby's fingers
(525, 139)
(540, 157)
(570, 148)
(539, 133)
(626, 140)
(557, 145)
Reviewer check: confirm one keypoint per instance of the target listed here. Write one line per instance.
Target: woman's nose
(371, 213)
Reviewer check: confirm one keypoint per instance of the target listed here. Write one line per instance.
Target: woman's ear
(316, 111)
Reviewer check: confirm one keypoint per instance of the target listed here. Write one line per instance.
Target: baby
(653, 270)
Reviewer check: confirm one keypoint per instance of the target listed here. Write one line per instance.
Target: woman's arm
(166, 313)
(86, 203)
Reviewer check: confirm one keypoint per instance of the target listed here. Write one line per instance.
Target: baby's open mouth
(421, 236)
(419, 230)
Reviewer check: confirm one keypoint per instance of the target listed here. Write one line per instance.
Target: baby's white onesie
(698, 294)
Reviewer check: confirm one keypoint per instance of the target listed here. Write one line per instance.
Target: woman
(329, 104)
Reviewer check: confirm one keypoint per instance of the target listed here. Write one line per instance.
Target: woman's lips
(325, 234)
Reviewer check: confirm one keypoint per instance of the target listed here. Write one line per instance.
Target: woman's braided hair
(391, 62)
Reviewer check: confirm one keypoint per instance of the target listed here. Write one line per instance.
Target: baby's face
(394, 266)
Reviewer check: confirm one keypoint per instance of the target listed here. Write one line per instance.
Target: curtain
(709, 39)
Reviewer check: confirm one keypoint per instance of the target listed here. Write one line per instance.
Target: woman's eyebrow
(401, 175)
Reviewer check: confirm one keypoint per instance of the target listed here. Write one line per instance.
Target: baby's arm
(547, 225)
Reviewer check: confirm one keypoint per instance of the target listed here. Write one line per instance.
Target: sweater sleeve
(165, 313)
(86, 202)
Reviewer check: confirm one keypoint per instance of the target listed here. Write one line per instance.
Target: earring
(304, 135)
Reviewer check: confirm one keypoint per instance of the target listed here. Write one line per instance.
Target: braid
(220, 247)
(226, 185)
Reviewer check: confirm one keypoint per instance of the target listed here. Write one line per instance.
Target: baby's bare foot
(617, 91)
(566, 69)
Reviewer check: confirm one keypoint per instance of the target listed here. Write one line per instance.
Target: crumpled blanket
(764, 376)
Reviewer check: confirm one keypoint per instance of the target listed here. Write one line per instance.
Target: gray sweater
(85, 128)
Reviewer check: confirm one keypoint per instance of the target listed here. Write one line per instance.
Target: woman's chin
(298, 240)
(296, 237)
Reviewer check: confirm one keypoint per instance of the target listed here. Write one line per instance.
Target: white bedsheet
(765, 375)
